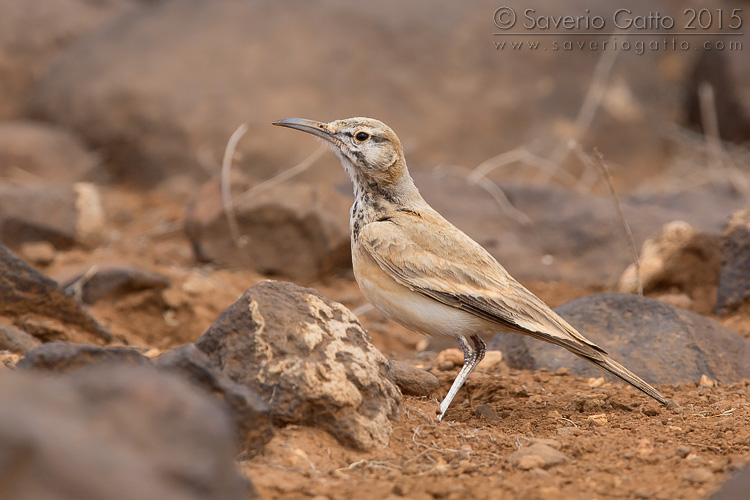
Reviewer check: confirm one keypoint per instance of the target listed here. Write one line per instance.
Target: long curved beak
(310, 126)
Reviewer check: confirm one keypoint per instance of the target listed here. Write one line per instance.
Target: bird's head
(368, 149)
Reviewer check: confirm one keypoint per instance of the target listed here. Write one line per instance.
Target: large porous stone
(734, 278)
(296, 230)
(309, 359)
(252, 418)
(63, 215)
(37, 305)
(658, 342)
(121, 433)
(64, 356)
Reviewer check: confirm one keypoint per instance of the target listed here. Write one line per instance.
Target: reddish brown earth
(622, 445)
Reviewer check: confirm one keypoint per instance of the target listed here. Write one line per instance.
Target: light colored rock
(677, 256)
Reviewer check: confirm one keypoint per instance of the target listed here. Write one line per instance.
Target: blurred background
(139, 99)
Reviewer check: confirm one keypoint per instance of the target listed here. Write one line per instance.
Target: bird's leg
(472, 357)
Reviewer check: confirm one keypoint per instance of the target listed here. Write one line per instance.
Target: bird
(424, 273)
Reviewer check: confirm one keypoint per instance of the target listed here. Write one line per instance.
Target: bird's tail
(616, 369)
(598, 356)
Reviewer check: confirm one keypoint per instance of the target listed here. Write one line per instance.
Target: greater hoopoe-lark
(423, 272)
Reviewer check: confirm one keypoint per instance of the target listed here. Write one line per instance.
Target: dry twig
(586, 159)
(226, 188)
(284, 175)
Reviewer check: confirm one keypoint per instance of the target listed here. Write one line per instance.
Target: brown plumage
(422, 271)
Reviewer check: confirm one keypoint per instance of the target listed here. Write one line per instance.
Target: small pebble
(598, 420)
(682, 451)
(488, 412)
(706, 382)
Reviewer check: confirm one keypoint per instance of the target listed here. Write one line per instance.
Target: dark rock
(412, 380)
(63, 215)
(122, 433)
(309, 359)
(273, 226)
(64, 356)
(15, 340)
(38, 306)
(252, 419)
(42, 151)
(658, 342)
(736, 487)
(108, 280)
(734, 278)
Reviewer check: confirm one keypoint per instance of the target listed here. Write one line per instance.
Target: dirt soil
(618, 444)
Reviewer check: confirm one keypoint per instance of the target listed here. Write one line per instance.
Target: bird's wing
(431, 256)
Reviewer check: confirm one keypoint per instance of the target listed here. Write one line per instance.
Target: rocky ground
(522, 433)
(158, 342)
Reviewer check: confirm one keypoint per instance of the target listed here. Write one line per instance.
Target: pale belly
(412, 309)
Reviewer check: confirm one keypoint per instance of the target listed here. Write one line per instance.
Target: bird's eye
(362, 136)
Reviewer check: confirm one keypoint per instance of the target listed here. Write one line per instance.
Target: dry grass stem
(285, 175)
(586, 159)
(623, 220)
(492, 189)
(226, 186)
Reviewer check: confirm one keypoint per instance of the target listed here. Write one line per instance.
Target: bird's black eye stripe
(362, 136)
